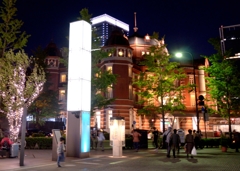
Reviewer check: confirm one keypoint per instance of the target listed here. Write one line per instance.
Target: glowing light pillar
(79, 90)
(117, 135)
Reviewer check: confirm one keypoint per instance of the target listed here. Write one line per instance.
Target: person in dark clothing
(189, 142)
(236, 139)
(174, 142)
(155, 137)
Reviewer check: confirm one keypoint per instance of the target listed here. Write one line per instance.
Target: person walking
(101, 139)
(182, 138)
(166, 138)
(174, 142)
(236, 137)
(189, 143)
(155, 137)
(60, 151)
(136, 139)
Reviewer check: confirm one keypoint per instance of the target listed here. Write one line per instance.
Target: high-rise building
(105, 24)
(230, 40)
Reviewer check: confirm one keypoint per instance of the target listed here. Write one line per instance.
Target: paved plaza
(208, 159)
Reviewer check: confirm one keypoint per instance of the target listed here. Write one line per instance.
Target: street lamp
(179, 55)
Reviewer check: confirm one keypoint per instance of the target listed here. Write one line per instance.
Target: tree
(44, 107)
(47, 104)
(11, 36)
(159, 83)
(223, 84)
(21, 82)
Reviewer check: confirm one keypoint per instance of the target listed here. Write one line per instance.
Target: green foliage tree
(159, 84)
(11, 36)
(21, 82)
(44, 106)
(223, 84)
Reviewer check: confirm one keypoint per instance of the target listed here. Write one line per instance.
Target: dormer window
(147, 38)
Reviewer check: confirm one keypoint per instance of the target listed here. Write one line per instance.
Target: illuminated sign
(79, 67)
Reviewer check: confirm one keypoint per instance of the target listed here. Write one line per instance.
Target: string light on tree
(18, 87)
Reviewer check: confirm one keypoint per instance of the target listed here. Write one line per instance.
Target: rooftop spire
(135, 22)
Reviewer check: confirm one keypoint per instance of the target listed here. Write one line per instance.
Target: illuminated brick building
(125, 63)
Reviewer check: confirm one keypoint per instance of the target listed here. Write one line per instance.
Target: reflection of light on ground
(117, 162)
(69, 165)
(117, 157)
(89, 163)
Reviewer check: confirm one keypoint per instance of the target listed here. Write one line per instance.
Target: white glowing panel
(79, 67)
(111, 20)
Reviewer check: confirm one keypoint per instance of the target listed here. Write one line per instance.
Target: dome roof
(52, 50)
(140, 40)
(117, 38)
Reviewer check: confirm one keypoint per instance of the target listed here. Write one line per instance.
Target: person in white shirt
(100, 138)
(167, 134)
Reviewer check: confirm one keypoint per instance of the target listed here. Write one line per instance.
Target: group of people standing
(97, 139)
(173, 142)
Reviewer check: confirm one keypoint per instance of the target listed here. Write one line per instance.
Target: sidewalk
(208, 159)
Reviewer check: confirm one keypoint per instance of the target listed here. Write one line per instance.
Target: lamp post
(179, 55)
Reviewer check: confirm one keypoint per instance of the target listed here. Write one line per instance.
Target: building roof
(117, 38)
(52, 50)
(136, 38)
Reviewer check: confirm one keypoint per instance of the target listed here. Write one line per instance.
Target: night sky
(186, 24)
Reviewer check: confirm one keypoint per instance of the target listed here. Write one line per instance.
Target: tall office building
(105, 24)
(230, 40)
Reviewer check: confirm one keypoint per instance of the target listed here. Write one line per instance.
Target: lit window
(143, 53)
(109, 93)
(109, 68)
(130, 71)
(63, 78)
(62, 95)
(193, 103)
(191, 79)
(147, 53)
(109, 115)
(147, 38)
(130, 92)
(129, 54)
(120, 52)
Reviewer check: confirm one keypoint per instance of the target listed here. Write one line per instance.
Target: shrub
(43, 142)
(38, 135)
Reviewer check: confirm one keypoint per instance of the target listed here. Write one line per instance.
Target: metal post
(23, 131)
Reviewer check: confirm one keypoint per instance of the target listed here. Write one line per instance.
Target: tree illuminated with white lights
(21, 81)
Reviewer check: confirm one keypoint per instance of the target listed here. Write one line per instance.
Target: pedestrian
(182, 138)
(60, 151)
(197, 140)
(174, 142)
(101, 139)
(136, 139)
(93, 136)
(166, 138)
(236, 137)
(155, 137)
(6, 144)
(189, 143)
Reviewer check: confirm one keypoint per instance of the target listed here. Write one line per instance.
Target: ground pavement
(207, 159)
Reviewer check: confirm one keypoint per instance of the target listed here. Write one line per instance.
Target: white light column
(79, 89)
